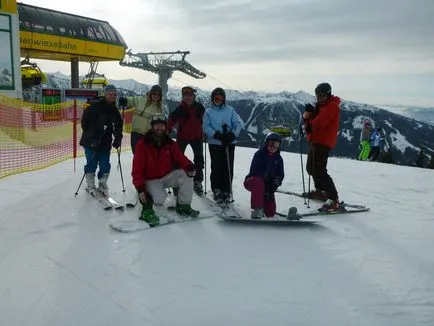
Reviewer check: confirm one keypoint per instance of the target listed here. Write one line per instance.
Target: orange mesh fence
(34, 136)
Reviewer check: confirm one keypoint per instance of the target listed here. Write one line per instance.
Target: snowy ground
(60, 263)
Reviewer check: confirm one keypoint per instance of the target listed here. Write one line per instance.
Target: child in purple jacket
(265, 176)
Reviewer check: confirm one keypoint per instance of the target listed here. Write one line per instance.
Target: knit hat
(110, 88)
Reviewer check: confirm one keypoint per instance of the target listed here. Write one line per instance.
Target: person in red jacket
(322, 125)
(188, 118)
(154, 158)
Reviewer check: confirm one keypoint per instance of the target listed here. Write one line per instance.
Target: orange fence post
(74, 132)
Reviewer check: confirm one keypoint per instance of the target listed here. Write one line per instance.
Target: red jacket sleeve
(325, 116)
(179, 157)
(139, 166)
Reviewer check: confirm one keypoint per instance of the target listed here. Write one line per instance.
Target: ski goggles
(159, 117)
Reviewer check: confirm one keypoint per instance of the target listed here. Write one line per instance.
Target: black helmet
(156, 89)
(218, 91)
(323, 88)
(273, 136)
(188, 90)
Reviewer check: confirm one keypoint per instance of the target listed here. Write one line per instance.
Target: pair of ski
(106, 202)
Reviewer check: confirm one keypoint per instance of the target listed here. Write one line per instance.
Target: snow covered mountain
(61, 264)
(405, 137)
(425, 114)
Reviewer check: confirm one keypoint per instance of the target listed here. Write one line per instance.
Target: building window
(6, 54)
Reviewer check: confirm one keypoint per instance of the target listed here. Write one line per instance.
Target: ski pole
(229, 171)
(79, 186)
(120, 169)
(84, 174)
(204, 149)
(301, 160)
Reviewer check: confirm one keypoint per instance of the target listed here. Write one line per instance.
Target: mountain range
(405, 136)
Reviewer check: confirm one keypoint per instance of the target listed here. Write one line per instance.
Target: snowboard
(344, 204)
(138, 225)
(271, 221)
(229, 213)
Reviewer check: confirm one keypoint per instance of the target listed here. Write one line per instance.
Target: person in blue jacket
(222, 125)
(376, 140)
(265, 176)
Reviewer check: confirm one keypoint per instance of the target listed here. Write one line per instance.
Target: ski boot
(198, 189)
(218, 196)
(316, 195)
(257, 213)
(186, 210)
(148, 215)
(102, 185)
(331, 206)
(90, 183)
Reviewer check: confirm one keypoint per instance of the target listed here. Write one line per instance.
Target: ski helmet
(323, 88)
(273, 136)
(188, 90)
(156, 89)
(218, 91)
(159, 118)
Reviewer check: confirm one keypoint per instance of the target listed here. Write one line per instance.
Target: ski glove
(228, 138)
(218, 136)
(309, 108)
(191, 171)
(94, 143)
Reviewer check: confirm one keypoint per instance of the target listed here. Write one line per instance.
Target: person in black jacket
(101, 122)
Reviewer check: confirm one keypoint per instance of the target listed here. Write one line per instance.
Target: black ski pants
(220, 174)
(197, 147)
(316, 166)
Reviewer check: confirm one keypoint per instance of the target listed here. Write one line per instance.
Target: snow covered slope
(60, 263)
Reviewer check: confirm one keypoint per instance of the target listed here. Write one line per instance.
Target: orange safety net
(34, 136)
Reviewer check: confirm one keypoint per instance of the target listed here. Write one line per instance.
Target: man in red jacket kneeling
(154, 158)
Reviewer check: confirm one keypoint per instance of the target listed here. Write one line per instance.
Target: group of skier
(159, 162)
(370, 142)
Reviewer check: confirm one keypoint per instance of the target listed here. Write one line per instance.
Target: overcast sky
(373, 51)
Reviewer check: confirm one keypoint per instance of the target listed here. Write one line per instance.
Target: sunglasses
(219, 98)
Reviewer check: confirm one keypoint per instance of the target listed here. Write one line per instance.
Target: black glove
(218, 136)
(191, 170)
(228, 138)
(272, 184)
(117, 142)
(123, 101)
(309, 108)
(94, 144)
(268, 196)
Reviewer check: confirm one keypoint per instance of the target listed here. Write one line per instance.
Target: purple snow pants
(257, 199)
